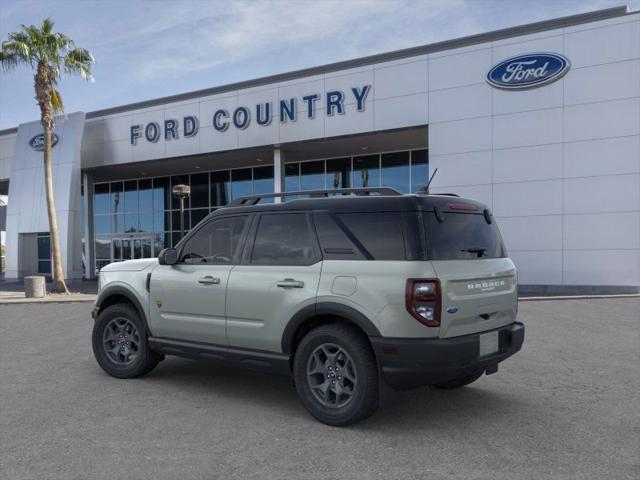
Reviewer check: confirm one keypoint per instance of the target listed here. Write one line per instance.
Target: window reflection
(220, 188)
(292, 177)
(312, 175)
(339, 173)
(241, 182)
(419, 169)
(200, 190)
(395, 171)
(366, 171)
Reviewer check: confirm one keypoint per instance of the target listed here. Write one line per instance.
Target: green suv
(348, 291)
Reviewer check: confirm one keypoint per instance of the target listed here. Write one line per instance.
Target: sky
(149, 49)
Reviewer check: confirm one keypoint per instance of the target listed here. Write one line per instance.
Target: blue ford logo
(37, 142)
(452, 309)
(528, 71)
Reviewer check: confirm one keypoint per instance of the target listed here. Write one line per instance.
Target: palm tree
(50, 55)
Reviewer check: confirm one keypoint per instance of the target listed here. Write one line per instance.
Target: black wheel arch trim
(326, 308)
(124, 292)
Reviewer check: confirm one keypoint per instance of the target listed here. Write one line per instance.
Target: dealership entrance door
(132, 247)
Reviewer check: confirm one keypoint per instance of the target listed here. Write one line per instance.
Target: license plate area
(489, 343)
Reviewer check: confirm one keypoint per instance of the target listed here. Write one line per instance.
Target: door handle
(209, 280)
(290, 283)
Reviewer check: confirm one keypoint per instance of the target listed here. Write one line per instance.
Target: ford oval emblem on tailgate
(452, 309)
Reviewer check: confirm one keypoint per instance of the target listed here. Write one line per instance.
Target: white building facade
(541, 122)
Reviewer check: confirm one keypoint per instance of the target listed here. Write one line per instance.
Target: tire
(340, 354)
(460, 381)
(119, 326)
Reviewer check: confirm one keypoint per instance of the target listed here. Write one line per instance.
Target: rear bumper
(408, 363)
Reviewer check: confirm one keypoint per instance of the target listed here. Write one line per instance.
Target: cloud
(192, 37)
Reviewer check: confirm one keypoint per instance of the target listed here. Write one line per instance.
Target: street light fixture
(182, 192)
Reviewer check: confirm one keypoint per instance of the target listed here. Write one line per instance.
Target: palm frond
(79, 61)
(47, 26)
(56, 101)
(9, 61)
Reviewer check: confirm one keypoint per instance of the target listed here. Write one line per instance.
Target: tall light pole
(182, 192)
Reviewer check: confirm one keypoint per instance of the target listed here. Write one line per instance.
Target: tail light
(422, 299)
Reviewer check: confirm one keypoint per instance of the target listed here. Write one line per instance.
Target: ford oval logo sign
(37, 142)
(528, 71)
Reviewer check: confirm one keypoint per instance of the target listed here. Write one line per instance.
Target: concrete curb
(70, 299)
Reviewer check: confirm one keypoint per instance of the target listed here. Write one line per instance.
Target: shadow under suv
(346, 291)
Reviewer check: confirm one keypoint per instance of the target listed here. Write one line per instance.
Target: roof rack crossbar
(254, 199)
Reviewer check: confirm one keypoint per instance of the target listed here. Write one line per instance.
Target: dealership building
(541, 122)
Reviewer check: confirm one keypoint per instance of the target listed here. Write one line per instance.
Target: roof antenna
(425, 189)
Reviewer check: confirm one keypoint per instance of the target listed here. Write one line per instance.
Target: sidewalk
(11, 293)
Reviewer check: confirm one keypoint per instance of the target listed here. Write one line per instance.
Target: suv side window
(216, 242)
(284, 239)
(380, 233)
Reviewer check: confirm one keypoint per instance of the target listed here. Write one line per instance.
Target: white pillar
(278, 172)
(87, 185)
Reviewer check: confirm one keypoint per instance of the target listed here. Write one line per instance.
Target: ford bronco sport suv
(348, 291)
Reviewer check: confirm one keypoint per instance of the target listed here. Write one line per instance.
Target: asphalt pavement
(566, 407)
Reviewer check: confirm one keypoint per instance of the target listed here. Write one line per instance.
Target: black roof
(370, 203)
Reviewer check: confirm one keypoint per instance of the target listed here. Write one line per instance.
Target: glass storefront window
(366, 171)
(117, 248)
(161, 221)
(263, 180)
(338, 173)
(292, 177)
(117, 223)
(161, 194)
(102, 224)
(395, 171)
(419, 169)
(146, 222)
(145, 195)
(145, 211)
(220, 188)
(101, 198)
(131, 223)
(103, 248)
(117, 193)
(175, 220)
(131, 203)
(200, 190)
(241, 180)
(312, 175)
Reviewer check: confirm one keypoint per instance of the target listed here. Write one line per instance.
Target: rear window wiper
(480, 251)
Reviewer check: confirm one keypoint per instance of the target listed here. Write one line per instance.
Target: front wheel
(120, 343)
(336, 375)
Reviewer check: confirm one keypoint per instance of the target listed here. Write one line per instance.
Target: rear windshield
(462, 236)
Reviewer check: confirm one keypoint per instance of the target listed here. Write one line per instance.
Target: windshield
(462, 236)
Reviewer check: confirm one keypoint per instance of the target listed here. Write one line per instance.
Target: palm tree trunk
(59, 284)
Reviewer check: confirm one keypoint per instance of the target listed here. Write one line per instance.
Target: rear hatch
(478, 281)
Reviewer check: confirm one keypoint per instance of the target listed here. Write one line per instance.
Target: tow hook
(493, 368)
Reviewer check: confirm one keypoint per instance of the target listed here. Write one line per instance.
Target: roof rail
(254, 199)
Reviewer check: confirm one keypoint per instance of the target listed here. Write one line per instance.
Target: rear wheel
(336, 375)
(120, 343)
(460, 381)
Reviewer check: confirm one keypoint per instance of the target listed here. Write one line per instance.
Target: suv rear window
(380, 233)
(462, 236)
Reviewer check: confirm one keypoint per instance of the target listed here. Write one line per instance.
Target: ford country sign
(37, 142)
(528, 71)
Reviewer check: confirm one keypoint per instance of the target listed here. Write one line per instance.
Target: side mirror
(168, 256)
